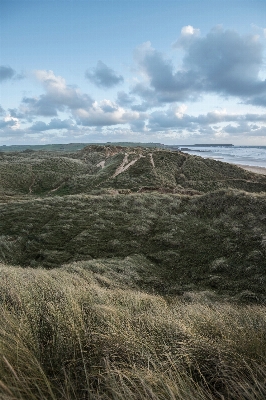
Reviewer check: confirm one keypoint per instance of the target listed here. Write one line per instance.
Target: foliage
(131, 273)
(184, 237)
(95, 167)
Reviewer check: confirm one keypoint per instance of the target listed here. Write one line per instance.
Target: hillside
(214, 241)
(184, 214)
(101, 169)
(131, 273)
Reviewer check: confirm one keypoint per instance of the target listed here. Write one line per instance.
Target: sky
(167, 71)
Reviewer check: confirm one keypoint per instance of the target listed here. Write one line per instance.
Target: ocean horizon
(242, 155)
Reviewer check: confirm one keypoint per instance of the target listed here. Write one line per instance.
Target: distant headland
(203, 145)
(214, 145)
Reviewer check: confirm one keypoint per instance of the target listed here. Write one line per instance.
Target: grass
(67, 335)
(43, 173)
(147, 284)
(215, 241)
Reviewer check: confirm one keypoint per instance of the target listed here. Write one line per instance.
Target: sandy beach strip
(257, 170)
(251, 168)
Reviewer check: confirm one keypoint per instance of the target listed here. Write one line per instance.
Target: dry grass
(65, 335)
(96, 328)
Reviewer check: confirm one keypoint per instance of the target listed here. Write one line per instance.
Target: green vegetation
(104, 168)
(182, 236)
(131, 273)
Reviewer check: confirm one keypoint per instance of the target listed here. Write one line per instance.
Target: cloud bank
(221, 63)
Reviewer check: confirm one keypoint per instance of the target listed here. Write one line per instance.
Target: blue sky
(175, 72)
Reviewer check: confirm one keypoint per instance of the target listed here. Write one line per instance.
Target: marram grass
(151, 258)
(66, 334)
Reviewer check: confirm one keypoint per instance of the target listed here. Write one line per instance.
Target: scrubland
(70, 333)
(146, 284)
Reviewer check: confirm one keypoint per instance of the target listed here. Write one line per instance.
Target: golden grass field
(69, 333)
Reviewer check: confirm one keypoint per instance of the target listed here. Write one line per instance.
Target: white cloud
(50, 80)
(189, 30)
(222, 63)
(104, 113)
(13, 122)
(180, 111)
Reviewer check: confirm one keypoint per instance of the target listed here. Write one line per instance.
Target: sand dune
(257, 170)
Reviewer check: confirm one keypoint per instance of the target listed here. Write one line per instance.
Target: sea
(242, 155)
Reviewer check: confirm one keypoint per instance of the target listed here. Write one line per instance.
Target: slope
(102, 169)
(215, 241)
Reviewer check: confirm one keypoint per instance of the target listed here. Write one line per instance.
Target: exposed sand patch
(215, 158)
(58, 187)
(101, 164)
(257, 170)
(125, 165)
(152, 161)
(121, 166)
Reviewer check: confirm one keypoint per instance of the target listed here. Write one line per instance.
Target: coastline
(251, 168)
